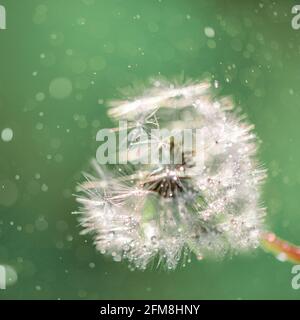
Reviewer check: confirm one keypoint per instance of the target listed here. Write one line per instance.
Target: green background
(97, 47)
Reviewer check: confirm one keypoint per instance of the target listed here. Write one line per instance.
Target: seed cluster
(159, 214)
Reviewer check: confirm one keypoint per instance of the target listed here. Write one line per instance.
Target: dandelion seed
(162, 213)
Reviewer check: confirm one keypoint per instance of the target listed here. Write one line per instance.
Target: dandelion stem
(283, 250)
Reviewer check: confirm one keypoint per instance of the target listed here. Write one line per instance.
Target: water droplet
(40, 96)
(209, 32)
(60, 88)
(7, 134)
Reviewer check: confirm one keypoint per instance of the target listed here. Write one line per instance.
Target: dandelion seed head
(162, 214)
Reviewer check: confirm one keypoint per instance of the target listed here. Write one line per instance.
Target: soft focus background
(59, 63)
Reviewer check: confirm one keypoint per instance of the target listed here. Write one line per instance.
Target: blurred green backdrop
(61, 60)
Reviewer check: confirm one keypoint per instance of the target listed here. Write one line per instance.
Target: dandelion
(207, 204)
